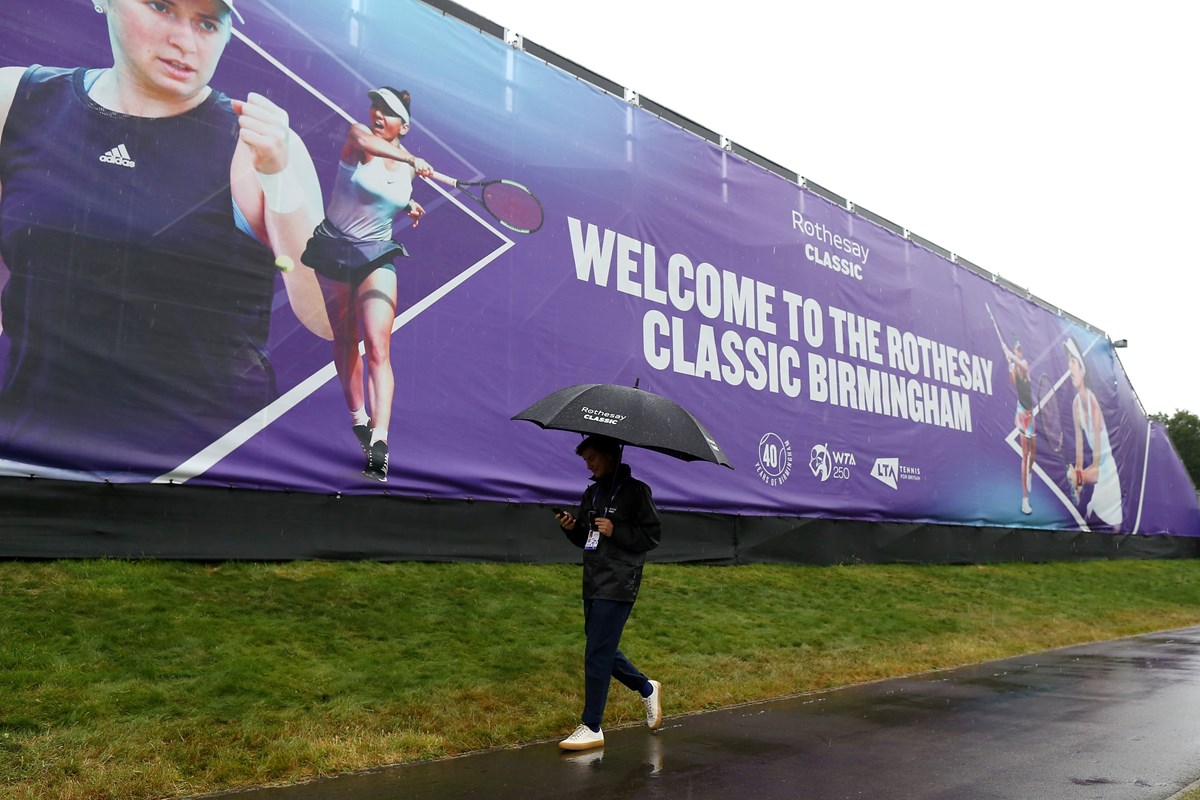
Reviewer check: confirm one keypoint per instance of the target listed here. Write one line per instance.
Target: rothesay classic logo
(601, 416)
(774, 459)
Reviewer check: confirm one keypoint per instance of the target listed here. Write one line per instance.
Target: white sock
(378, 435)
(360, 417)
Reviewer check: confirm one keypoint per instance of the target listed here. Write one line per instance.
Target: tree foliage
(1184, 429)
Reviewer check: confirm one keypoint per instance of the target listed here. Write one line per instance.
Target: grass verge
(139, 680)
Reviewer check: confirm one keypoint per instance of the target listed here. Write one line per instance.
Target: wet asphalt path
(1107, 721)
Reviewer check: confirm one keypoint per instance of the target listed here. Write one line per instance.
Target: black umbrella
(629, 415)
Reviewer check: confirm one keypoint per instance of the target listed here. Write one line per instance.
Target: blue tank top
(136, 313)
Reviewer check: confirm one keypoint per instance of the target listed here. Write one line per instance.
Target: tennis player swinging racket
(353, 247)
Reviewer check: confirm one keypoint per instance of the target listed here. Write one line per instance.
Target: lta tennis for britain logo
(889, 471)
(774, 459)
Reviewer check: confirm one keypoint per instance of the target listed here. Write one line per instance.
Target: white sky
(1052, 142)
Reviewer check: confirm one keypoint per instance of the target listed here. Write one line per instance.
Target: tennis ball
(285, 263)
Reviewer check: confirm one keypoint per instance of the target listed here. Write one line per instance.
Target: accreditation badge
(593, 540)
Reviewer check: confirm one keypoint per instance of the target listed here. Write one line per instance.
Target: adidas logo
(119, 156)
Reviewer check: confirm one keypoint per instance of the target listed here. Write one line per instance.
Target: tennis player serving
(353, 247)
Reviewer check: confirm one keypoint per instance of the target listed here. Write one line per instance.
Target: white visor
(1073, 351)
(390, 101)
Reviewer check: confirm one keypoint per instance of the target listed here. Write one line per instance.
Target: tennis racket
(1000, 336)
(510, 203)
(1049, 414)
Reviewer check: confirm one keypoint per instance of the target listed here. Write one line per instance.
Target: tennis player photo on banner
(328, 249)
(141, 219)
(88, 393)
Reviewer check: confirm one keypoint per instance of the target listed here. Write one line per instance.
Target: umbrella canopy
(629, 415)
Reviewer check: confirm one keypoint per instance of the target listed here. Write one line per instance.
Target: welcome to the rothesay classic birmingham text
(767, 338)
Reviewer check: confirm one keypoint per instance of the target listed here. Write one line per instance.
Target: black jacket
(613, 571)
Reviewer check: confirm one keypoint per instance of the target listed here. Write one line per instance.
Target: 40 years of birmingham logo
(774, 459)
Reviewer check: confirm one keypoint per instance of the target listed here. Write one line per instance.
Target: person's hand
(415, 212)
(422, 167)
(264, 129)
(1074, 481)
(604, 525)
(565, 521)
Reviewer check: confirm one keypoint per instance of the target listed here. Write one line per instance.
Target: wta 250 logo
(774, 459)
(824, 463)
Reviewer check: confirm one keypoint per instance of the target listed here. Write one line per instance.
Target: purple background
(525, 324)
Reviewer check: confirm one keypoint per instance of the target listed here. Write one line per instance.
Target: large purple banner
(163, 321)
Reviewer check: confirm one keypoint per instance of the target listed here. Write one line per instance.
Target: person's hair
(601, 444)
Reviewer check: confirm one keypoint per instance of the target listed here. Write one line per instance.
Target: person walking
(616, 525)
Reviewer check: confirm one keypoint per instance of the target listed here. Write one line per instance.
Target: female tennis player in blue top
(140, 214)
(353, 247)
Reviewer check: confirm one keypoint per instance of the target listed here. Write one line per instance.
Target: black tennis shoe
(377, 462)
(363, 434)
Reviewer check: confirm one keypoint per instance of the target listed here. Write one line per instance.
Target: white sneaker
(584, 738)
(1025, 507)
(653, 705)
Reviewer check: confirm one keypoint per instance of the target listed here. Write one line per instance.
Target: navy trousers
(603, 622)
